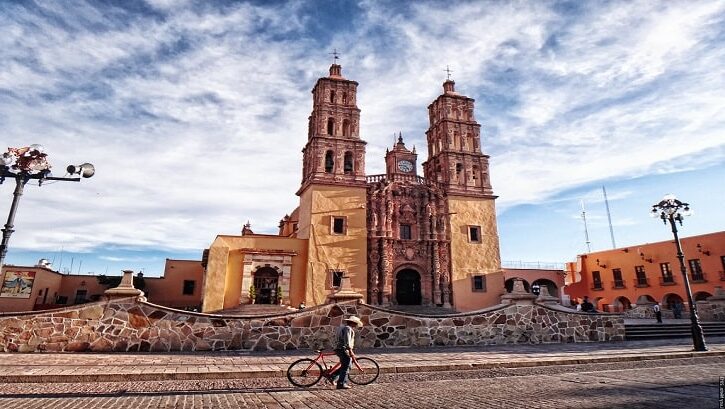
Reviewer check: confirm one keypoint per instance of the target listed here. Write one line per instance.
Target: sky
(194, 114)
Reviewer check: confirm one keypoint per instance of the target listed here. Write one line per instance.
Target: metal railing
(698, 277)
(534, 265)
(641, 282)
(668, 280)
(618, 284)
(597, 286)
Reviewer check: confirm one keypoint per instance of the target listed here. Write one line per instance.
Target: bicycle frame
(328, 370)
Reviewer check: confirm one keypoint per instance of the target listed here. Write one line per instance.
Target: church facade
(399, 238)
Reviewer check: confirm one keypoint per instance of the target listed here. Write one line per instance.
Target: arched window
(347, 164)
(329, 162)
(330, 126)
(345, 127)
(459, 170)
(344, 98)
(474, 174)
(332, 96)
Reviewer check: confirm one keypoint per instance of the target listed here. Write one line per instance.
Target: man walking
(658, 312)
(343, 348)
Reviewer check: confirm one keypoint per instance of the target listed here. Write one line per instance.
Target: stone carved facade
(255, 260)
(122, 325)
(408, 239)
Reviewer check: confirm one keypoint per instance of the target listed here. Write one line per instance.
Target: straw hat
(354, 320)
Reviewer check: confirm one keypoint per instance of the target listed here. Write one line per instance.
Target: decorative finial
(448, 73)
(335, 55)
(400, 137)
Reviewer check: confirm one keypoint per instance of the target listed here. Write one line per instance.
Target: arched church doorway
(407, 287)
(266, 281)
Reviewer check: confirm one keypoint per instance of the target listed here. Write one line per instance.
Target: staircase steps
(256, 310)
(421, 309)
(660, 331)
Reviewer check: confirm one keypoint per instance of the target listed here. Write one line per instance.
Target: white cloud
(195, 121)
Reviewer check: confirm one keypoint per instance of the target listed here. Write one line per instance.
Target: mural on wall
(17, 284)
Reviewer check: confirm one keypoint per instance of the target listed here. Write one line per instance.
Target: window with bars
(641, 275)
(596, 280)
(696, 270)
(617, 275)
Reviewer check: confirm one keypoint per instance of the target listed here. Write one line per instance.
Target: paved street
(671, 383)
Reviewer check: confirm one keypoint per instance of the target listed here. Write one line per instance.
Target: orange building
(615, 280)
(40, 287)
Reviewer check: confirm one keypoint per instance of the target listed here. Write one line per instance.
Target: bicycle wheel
(304, 373)
(364, 372)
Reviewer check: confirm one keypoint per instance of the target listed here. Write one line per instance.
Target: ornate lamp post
(669, 210)
(26, 164)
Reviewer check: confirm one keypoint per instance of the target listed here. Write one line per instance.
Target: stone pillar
(345, 292)
(125, 288)
(518, 295)
(545, 298)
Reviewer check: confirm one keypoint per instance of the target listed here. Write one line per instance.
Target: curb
(281, 373)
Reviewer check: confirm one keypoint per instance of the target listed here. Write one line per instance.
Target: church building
(397, 238)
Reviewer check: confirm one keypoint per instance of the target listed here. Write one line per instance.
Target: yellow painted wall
(330, 251)
(215, 276)
(469, 259)
(223, 280)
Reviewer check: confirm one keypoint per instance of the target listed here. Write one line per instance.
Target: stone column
(125, 288)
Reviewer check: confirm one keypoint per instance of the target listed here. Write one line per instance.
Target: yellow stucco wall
(223, 280)
(215, 276)
(469, 259)
(348, 252)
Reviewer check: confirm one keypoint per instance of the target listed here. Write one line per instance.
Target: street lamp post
(26, 164)
(668, 209)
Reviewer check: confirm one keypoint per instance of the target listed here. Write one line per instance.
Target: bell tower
(334, 154)
(332, 215)
(457, 165)
(455, 160)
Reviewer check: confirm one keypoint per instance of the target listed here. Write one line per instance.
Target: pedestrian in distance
(677, 309)
(344, 346)
(658, 312)
(587, 306)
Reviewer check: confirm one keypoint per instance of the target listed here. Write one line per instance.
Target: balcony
(597, 286)
(667, 280)
(616, 284)
(698, 277)
(641, 282)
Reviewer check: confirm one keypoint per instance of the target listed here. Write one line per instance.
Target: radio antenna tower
(586, 231)
(609, 217)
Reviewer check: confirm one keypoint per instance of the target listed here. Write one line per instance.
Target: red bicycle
(307, 372)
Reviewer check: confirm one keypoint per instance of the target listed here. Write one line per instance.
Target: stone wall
(707, 311)
(128, 325)
(710, 310)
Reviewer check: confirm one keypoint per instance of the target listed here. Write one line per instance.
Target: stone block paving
(690, 383)
(117, 367)
(648, 374)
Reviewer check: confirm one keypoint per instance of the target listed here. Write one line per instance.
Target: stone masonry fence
(130, 324)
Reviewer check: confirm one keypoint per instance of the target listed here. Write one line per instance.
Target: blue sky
(195, 113)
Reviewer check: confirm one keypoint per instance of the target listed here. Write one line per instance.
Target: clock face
(405, 166)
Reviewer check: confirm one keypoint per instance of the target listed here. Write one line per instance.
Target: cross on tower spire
(335, 55)
(448, 72)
